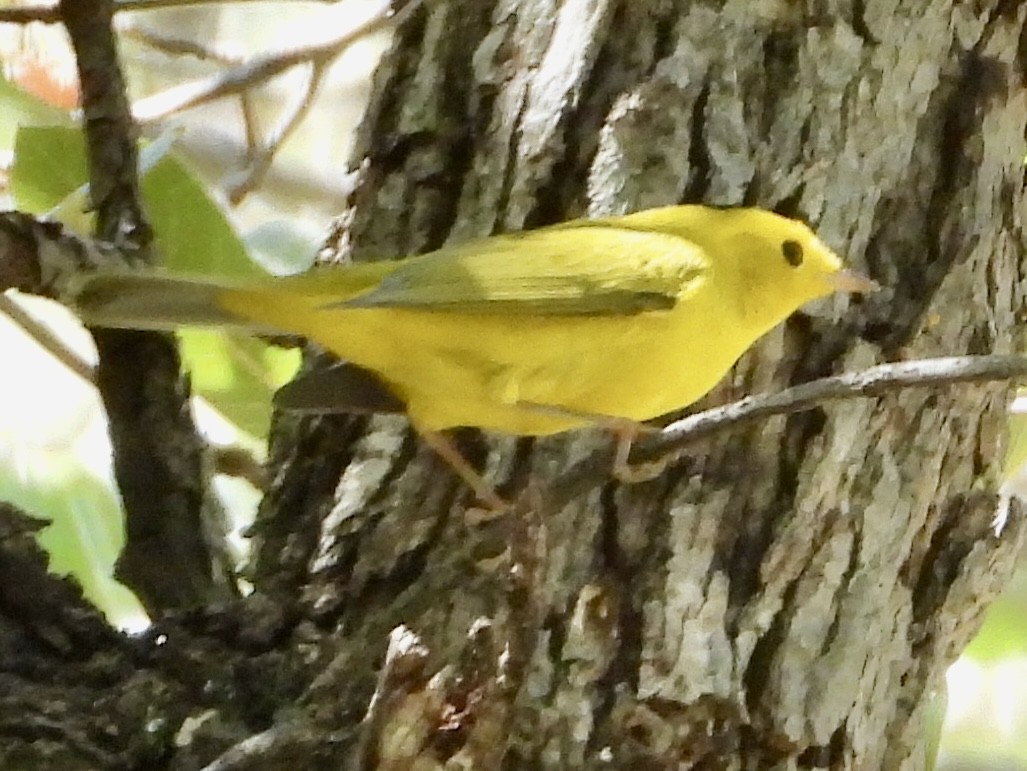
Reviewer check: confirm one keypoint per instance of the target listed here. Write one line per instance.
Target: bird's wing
(565, 270)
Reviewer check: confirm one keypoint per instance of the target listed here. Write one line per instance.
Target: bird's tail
(147, 300)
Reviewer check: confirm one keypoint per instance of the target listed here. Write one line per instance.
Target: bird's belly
(647, 371)
(532, 376)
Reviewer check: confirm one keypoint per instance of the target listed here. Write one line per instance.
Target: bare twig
(872, 382)
(50, 13)
(655, 450)
(261, 69)
(249, 119)
(237, 462)
(178, 46)
(46, 339)
(27, 14)
(263, 156)
(239, 81)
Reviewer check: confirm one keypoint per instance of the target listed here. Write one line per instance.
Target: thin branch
(46, 339)
(263, 68)
(50, 13)
(869, 383)
(178, 46)
(248, 110)
(240, 80)
(152, 5)
(230, 460)
(263, 157)
(237, 462)
(158, 455)
(655, 450)
(28, 14)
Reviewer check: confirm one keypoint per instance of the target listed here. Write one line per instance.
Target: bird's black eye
(792, 250)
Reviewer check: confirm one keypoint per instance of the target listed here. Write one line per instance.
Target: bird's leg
(446, 450)
(625, 430)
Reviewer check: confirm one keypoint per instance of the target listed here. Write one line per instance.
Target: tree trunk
(785, 596)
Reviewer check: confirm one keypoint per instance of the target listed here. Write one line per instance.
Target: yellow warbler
(608, 321)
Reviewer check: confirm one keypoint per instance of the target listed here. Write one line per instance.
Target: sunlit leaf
(21, 109)
(49, 164)
(192, 235)
(237, 374)
(83, 535)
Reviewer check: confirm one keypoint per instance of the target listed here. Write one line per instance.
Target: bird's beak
(850, 281)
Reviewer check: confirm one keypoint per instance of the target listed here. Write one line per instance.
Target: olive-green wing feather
(560, 271)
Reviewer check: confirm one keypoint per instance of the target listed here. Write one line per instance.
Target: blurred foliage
(21, 109)
(192, 233)
(84, 534)
(1002, 635)
(236, 374)
(1016, 445)
(55, 461)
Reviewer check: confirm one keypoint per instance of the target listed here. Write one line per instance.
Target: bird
(611, 321)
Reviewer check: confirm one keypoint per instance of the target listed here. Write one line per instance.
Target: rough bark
(787, 595)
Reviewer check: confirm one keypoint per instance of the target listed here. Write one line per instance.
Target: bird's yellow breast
(539, 332)
(525, 375)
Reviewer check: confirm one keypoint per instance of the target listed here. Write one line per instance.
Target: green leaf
(20, 109)
(84, 534)
(72, 209)
(49, 164)
(237, 374)
(192, 235)
(1016, 444)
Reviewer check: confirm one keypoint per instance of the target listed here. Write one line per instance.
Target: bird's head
(780, 263)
